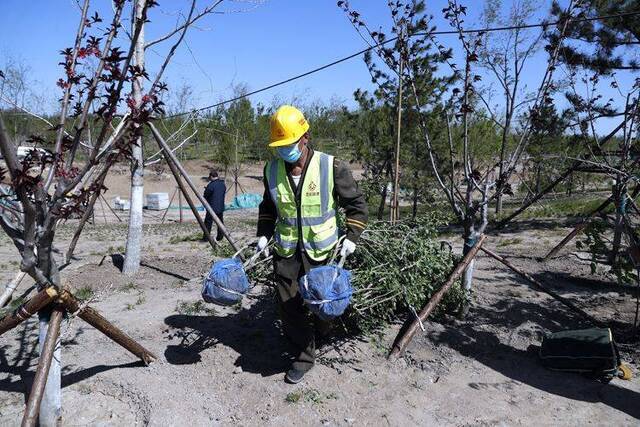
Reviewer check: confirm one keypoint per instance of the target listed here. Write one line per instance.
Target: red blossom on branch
(131, 103)
(62, 84)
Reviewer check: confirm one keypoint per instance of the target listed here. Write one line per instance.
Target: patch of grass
(129, 287)
(84, 293)
(561, 208)
(141, 300)
(191, 237)
(415, 384)
(310, 395)
(223, 250)
(194, 307)
(509, 242)
(293, 397)
(251, 223)
(115, 249)
(375, 338)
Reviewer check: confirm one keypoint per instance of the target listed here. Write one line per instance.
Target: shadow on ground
(253, 333)
(519, 321)
(23, 363)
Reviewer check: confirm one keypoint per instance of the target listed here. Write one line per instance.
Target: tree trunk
(414, 211)
(385, 190)
(134, 233)
(383, 199)
(51, 405)
(498, 204)
(618, 195)
(470, 239)
(570, 185)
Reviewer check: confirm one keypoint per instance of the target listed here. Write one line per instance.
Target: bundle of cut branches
(395, 270)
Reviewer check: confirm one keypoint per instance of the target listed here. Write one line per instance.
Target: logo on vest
(312, 190)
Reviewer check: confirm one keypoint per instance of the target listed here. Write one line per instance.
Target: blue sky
(252, 44)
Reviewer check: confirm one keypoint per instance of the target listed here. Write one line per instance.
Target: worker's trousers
(299, 325)
(208, 222)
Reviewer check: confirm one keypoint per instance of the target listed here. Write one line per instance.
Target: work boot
(294, 376)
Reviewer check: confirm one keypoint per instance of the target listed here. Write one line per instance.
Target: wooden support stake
(44, 363)
(180, 205)
(183, 191)
(169, 155)
(586, 222)
(104, 212)
(11, 287)
(28, 309)
(85, 216)
(578, 228)
(96, 320)
(395, 209)
(402, 341)
(110, 208)
(558, 180)
(535, 198)
(544, 288)
(168, 207)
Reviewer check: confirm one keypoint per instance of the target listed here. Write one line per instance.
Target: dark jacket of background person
(214, 194)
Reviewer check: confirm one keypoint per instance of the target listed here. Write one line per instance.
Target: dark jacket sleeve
(208, 192)
(351, 199)
(266, 212)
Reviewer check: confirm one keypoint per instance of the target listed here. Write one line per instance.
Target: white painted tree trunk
(134, 233)
(51, 405)
(467, 280)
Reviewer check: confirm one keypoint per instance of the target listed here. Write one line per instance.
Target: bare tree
(480, 185)
(52, 188)
(134, 234)
(134, 231)
(504, 55)
(15, 89)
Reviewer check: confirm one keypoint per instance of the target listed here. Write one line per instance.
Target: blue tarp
(244, 201)
(326, 290)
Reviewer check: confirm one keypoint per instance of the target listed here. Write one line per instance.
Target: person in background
(214, 193)
(303, 190)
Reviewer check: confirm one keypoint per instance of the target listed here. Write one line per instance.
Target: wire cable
(372, 47)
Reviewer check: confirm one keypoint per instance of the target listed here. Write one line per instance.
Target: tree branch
(187, 23)
(67, 96)
(175, 46)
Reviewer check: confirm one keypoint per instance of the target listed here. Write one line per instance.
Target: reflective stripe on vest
(318, 208)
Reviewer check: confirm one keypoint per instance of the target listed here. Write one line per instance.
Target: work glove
(262, 245)
(348, 247)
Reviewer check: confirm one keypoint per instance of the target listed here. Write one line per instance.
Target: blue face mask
(290, 153)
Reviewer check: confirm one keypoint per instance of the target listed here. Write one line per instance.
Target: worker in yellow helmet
(303, 191)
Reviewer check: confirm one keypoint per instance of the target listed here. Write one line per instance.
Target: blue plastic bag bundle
(226, 283)
(326, 290)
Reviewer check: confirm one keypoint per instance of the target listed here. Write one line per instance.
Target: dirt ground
(224, 366)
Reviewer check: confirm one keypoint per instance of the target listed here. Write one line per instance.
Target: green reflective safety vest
(316, 228)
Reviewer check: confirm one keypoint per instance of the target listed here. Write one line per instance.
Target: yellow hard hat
(287, 126)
